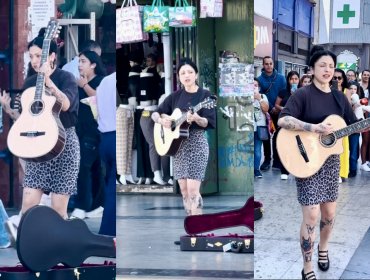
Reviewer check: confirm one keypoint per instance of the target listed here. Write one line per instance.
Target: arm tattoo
(327, 222)
(307, 127)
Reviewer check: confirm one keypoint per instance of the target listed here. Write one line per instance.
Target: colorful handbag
(128, 23)
(211, 8)
(182, 15)
(156, 19)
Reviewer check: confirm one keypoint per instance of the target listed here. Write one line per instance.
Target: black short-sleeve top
(310, 104)
(66, 83)
(184, 100)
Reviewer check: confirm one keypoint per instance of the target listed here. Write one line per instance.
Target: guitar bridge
(301, 148)
(32, 133)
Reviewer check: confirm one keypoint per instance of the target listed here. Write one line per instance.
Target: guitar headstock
(209, 102)
(52, 30)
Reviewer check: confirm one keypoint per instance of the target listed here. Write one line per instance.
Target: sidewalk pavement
(277, 248)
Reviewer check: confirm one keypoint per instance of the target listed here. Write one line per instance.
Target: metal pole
(11, 60)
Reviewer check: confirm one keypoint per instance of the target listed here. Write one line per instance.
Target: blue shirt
(106, 103)
(277, 82)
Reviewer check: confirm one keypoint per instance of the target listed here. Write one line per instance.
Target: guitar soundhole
(328, 140)
(37, 107)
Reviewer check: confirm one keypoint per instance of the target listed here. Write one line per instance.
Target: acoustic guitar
(244, 216)
(303, 153)
(38, 134)
(167, 141)
(45, 239)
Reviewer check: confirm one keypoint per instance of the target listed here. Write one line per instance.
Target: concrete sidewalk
(277, 248)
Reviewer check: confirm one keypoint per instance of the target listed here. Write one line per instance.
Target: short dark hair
(266, 57)
(89, 45)
(38, 42)
(317, 52)
(187, 61)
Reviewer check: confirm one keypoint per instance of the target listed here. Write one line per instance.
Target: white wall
(263, 8)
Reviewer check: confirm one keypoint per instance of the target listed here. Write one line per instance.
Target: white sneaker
(365, 167)
(368, 163)
(284, 177)
(96, 213)
(12, 230)
(78, 213)
(170, 182)
(159, 180)
(340, 180)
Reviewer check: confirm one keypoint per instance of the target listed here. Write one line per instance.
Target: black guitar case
(45, 240)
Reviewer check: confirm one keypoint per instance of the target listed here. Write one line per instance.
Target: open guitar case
(196, 227)
(51, 248)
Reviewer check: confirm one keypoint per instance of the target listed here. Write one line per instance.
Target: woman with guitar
(191, 159)
(59, 174)
(307, 111)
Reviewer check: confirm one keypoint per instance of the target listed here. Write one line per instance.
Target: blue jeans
(354, 150)
(257, 151)
(108, 155)
(4, 237)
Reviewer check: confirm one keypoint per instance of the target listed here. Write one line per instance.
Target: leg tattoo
(310, 229)
(307, 247)
(327, 222)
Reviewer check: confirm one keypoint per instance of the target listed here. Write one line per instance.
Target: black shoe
(352, 174)
(265, 166)
(257, 174)
(177, 242)
(308, 276)
(323, 261)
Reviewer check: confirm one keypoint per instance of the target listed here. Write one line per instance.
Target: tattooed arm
(291, 123)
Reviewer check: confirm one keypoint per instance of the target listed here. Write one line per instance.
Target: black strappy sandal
(308, 276)
(323, 261)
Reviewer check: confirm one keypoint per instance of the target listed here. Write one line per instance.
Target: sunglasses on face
(339, 78)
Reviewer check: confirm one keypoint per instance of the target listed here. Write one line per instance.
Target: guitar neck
(353, 128)
(183, 117)
(40, 82)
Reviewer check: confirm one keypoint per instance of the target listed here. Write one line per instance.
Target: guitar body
(167, 141)
(44, 240)
(317, 150)
(37, 136)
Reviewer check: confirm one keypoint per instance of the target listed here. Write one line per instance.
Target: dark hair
(38, 41)
(317, 52)
(365, 70)
(304, 76)
(93, 57)
(152, 57)
(187, 61)
(290, 74)
(257, 81)
(266, 57)
(351, 70)
(89, 45)
(344, 77)
(355, 83)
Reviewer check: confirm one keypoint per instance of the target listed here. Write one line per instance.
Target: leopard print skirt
(321, 187)
(58, 175)
(191, 160)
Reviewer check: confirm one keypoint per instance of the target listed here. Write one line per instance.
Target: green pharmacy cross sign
(346, 14)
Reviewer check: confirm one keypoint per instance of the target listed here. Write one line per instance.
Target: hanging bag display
(156, 17)
(128, 23)
(182, 15)
(211, 8)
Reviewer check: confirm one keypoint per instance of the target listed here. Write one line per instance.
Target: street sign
(346, 14)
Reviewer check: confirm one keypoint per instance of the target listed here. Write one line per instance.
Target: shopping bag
(128, 23)
(182, 15)
(156, 17)
(211, 8)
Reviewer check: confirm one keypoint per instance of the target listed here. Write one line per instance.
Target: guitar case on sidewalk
(195, 226)
(52, 248)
